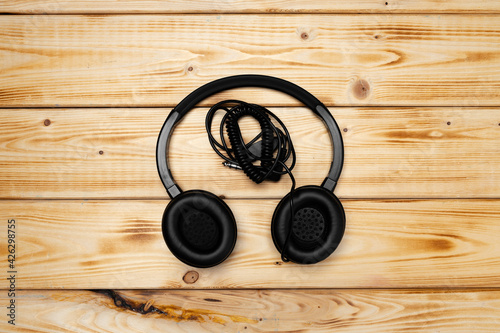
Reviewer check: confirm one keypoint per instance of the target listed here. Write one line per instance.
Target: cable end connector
(232, 165)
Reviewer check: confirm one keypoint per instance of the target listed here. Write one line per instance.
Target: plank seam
(253, 199)
(432, 288)
(346, 106)
(294, 13)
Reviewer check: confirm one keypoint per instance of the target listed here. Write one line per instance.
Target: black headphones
(199, 227)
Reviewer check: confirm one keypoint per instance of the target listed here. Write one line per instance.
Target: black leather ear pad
(318, 224)
(199, 228)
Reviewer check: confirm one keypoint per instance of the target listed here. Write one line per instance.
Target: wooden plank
(388, 244)
(257, 311)
(256, 6)
(390, 153)
(144, 60)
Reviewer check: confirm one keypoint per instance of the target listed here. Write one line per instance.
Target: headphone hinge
(329, 184)
(173, 191)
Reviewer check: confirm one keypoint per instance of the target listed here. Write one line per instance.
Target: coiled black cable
(239, 155)
(276, 146)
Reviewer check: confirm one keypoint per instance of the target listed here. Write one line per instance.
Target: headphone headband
(238, 81)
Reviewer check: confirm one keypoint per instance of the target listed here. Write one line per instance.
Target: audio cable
(259, 160)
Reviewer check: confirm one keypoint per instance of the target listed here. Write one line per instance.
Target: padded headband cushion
(199, 228)
(318, 224)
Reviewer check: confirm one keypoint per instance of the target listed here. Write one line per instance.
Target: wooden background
(86, 85)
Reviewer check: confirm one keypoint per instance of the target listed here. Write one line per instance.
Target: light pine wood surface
(240, 6)
(414, 85)
(390, 153)
(388, 244)
(176, 311)
(154, 60)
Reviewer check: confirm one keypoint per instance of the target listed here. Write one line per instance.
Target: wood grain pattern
(388, 244)
(390, 152)
(416, 96)
(144, 60)
(259, 311)
(239, 6)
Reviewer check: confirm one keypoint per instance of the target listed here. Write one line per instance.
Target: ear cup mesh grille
(200, 230)
(308, 224)
(316, 229)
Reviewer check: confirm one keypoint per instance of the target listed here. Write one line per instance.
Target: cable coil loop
(256, 174)
(241, 155)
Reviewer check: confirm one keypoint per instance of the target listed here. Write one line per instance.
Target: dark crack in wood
(172, 312)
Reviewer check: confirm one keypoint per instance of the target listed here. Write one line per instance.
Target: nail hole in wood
(46, 122)
(448, 123)
(386, 3)
(101, 152)
(191, 277)
(345, 129)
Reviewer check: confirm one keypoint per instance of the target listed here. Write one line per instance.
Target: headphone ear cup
(199, 228)
(318, 224)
